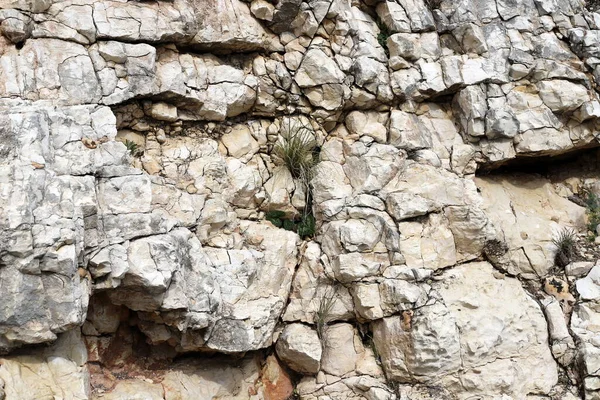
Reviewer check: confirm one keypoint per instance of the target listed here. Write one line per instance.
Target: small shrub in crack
(593, 211)
(305, 227)
(323, 314)
(296, 148)
(566, 245)
(299, 151)
(132, 147)
(383, 35)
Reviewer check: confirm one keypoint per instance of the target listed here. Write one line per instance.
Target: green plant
(299, 151)
(275, 217)
(305, 226)
(323, 314)
(296, 148)
(294, 396)
(132, 147)
(370, 342)
(383, 35)
(593, 211)
(565, 243)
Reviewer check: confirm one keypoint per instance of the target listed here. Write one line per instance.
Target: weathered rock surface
(143, 210)
(300, 348)
(478, 336)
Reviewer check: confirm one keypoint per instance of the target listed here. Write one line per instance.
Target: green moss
(275, 217)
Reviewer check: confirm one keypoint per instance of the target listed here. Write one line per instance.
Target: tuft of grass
(296, 148)
(323, 314)
(566, 244)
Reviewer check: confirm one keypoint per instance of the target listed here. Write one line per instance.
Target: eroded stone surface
(137, 167)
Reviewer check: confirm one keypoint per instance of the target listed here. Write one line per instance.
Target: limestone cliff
(155, 245)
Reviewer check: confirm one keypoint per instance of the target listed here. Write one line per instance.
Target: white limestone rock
(393, 16)
(531, 204)
(318, 69)
(300, 348)
(370, 124)
(464, 337)
(588, 287)
(56, 371)
(228, 25)
(407, 132)
(562, 96)
(49, 69)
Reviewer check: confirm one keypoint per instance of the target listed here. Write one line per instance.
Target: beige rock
(408, 354)
(300, 348)
(229, 25)
(408, 132)
(470, 341)
(393, 16)
(163, 112)
(134, 390)
(310, 286)
(214, 377)
(344, 353)
(429, 245)
(58, 371)
(279, 189)
(531, 204)
(374, 168)
(369, 124)
(35, 6)
(262, 9)
(318, 69)
(561, 96)
(240, 143)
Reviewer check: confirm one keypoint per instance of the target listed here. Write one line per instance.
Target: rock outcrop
(155, 245)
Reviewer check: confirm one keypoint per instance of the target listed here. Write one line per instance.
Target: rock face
(479, 335)
(154, 240)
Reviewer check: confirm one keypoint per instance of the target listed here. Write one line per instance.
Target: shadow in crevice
(576, 163)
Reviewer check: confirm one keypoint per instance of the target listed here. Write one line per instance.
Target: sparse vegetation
(305, 226)
(323, 314)
(132, 147)
(296, 148)
(566, 245)
(383, 35)
(593, 211)
(433, 4)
